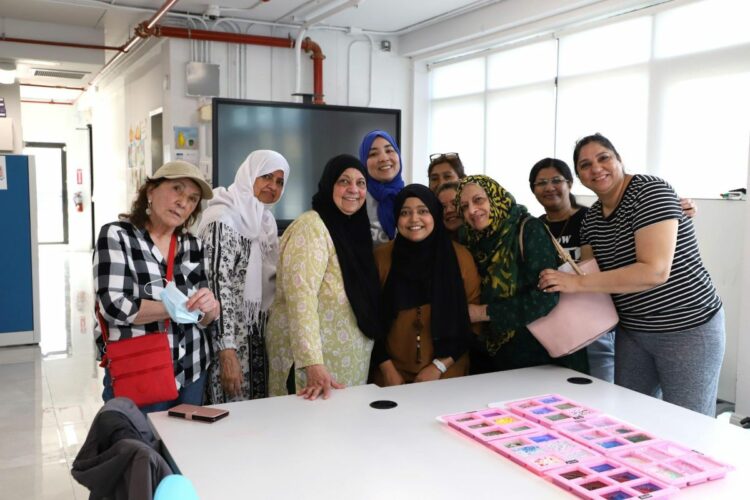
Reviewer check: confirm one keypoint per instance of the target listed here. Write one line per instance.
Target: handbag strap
(170, 276)
(565, 256)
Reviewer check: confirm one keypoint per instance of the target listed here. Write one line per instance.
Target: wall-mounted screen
(308, 135)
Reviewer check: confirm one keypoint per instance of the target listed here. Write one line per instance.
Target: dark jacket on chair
(120, 458)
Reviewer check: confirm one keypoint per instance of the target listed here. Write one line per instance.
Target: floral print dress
(228, 253)
(311, 320)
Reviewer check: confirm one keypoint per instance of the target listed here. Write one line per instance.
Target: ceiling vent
(70, 75)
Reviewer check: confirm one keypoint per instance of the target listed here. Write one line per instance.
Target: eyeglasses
(441, 157)
(556, 181)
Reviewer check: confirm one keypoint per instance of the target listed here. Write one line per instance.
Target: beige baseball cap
(179, 169)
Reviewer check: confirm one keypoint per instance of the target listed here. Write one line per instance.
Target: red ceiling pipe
(51, 86)
(33, 101)
(317, 57)
(58, 44)
(222, 36)
(267, 41)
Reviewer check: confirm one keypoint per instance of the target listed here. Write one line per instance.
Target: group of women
(399, 284)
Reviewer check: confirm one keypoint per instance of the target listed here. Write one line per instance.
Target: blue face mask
(174, 302)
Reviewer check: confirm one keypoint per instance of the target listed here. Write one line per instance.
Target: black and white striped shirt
(688, 298)
(126, 260)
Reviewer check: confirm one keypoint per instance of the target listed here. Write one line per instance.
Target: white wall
(109, 131)
(722, 252)
(63, 124)
(743, 349)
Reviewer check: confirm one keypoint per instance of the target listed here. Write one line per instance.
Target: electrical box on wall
(6, 134)
(202, 79)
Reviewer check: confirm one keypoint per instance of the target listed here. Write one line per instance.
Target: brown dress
(401, 342)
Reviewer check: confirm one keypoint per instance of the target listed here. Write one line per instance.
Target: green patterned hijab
(495, 248)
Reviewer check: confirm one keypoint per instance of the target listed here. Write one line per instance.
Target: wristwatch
(440, 365)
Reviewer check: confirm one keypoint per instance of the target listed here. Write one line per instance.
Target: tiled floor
(50, 392)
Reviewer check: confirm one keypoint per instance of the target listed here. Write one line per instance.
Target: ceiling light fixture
(328, 10)
(7, 72)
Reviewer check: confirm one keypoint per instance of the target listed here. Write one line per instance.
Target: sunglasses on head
(441, 157)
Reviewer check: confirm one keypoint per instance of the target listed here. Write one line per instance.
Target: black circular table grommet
(580, 380)
(383, 404)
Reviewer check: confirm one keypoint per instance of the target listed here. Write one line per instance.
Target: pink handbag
(578, 319)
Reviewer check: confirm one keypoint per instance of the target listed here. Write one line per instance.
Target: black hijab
(353, 242)
(427, 272)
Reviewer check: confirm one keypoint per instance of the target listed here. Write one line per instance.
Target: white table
(289, 448)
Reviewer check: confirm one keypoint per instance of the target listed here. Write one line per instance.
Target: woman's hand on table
(429, 372)
(319, 383)
(231, 373)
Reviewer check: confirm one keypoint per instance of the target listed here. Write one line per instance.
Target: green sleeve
(528, 303)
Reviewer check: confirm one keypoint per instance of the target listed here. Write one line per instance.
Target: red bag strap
(170, 258)
(170, 276)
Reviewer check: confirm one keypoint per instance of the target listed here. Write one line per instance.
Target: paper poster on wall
(3, 175)
(136, 157)
(186, 144)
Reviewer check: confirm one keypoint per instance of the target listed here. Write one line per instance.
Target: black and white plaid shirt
(128, 267)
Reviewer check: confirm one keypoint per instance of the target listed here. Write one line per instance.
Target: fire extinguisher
(78, 200)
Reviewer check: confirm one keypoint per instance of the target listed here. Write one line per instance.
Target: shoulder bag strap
(170, 268)
(170, 275)
(565, 256)
(520, 237)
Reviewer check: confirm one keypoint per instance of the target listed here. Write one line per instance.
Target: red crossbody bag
(141, 367)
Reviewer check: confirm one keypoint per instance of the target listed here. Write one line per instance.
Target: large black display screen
(307, 135)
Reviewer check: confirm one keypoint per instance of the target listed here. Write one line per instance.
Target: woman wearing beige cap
(130, 268)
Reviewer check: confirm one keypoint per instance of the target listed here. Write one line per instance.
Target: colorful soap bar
(672, 463)
(551, 409)
(604, 434)
(605, 478)
(491, 424)
(542, 451)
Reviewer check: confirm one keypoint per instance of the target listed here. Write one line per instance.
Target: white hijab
(238, 208)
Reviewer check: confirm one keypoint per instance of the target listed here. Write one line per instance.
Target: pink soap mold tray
(490, 424)
(607, 479)
(542, 451)
(551, 409)
(605, 434)
(672, 463)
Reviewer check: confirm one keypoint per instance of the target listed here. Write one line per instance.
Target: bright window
(614, 104)
(524, 65)
(465, 77)
(520, 132)
(702, 26)
(608, 47)
(705, 134)
(458, 126)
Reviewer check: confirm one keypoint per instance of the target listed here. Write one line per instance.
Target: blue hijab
(384, 192)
